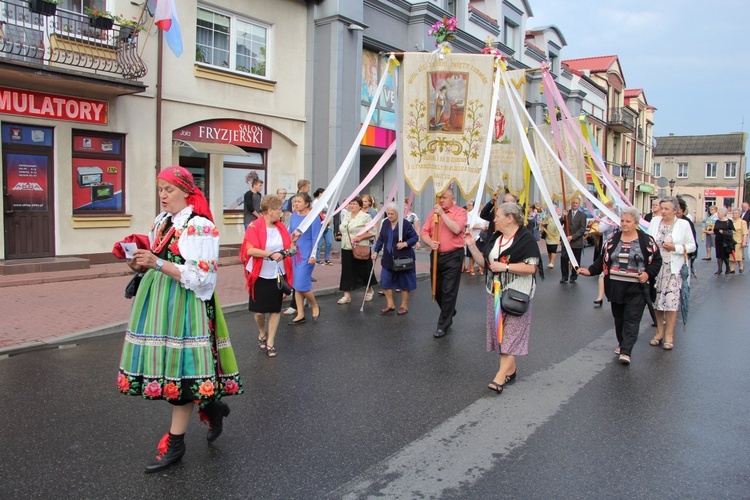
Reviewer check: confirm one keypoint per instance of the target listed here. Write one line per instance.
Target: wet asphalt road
(360, 405)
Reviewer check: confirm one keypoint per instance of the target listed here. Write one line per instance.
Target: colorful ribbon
(497, 288)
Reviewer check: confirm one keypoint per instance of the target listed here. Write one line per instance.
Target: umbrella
(685, 293)
(497, 289)
(645, 289)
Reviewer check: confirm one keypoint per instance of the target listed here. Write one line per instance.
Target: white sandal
(344, 300)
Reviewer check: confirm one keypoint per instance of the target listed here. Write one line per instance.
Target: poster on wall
(237, 182)
(27, 182)
(97, 185)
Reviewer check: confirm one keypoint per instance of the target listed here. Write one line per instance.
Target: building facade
(706, 169)
(90, 113)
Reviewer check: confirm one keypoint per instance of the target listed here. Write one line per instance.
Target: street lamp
(671, 186)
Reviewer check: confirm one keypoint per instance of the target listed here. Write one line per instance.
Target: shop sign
(53, 106)
(718, 192)
(236, 132)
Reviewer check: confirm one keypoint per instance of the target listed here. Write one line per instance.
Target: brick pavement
(40, 309)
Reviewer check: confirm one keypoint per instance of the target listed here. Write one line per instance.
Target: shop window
(98, 173)
(373, 68)
(239, 174)
(229, 42)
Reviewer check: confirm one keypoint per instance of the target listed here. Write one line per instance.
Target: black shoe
(717, 272)
(598, 303)
(510, 378)
(564, 280)
(706, 258)
(313, 280)
(572, 281)
(295, 322)
(439, 333)
(171, 449)
(213, 415)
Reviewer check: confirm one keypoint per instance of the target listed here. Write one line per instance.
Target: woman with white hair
(629, 259)
(394, 247)
(723, 239)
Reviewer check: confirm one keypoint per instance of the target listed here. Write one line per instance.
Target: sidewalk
(43, 309)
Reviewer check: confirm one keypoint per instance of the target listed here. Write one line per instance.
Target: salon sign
(53, 106)
(718, 192)
(236, 132)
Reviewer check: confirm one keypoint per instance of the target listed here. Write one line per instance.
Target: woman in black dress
(723, 240)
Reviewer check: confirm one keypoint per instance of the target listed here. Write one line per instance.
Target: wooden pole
(435, 237)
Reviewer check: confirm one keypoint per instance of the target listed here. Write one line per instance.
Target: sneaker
(320, 263)
(289, 311)
(328, 263)
(550, 266)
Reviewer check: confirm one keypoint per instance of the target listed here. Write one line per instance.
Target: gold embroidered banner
(551, 171)
(506, 157)
(445, 119)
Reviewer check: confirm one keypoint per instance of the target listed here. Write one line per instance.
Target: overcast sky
(691, 58)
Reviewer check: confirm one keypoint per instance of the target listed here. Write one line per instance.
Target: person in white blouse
(177, 347)
(675, 241)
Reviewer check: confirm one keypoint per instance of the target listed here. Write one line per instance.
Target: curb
(73, 339)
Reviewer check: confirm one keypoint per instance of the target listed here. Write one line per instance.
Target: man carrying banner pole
(446, 241)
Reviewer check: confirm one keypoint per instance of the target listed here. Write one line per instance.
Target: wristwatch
(159, 264)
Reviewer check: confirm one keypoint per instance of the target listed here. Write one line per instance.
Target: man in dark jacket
(575, 228)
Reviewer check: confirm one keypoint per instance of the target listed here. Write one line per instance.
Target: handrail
(68, 39)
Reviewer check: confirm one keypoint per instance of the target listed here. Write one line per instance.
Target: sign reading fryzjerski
(446, 119)
(227, 131)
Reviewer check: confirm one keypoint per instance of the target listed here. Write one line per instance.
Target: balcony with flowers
(96, 47)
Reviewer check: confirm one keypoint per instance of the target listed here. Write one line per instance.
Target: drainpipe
(159, 84)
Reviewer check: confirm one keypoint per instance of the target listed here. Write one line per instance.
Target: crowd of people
(177, 347)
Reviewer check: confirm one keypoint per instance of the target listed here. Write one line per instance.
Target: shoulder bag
(514, 302)
(360, 252)
(132, 287)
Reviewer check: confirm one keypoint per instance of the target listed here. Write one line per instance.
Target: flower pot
(42, 7)
(102, 23)
(126, 32)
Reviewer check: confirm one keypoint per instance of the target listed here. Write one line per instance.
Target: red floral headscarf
(183, 179)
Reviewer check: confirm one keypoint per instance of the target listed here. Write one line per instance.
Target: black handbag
(282, 283)
(514, 302)
(132, 287)
(403, 264)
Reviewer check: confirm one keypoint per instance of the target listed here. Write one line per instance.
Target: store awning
(213, 148)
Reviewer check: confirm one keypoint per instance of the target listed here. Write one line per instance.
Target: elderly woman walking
(393, 247)
(675, 241)
(512, 255)
(628, 261)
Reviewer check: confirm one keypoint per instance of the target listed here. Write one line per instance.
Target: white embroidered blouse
(198, 244)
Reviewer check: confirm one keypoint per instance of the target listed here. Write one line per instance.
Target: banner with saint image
(446, 106)
(506, 156)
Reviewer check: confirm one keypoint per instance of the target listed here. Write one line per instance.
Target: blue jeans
(325, 243)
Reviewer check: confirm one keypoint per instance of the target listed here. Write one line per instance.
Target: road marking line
(462, 449)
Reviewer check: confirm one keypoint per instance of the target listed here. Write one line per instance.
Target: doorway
(28, 191)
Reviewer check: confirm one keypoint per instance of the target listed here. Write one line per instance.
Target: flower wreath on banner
(444, 32)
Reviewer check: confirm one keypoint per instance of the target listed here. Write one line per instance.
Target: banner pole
(436, 237)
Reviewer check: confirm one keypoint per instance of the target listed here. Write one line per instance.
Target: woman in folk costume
(177, 345)
(511, 255)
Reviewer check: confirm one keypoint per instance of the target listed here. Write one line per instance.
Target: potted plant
(128, 27)
(44, 7)
(100, 19)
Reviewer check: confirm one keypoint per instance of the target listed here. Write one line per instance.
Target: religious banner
(550, 168)
(445, 119)
(506, 156)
